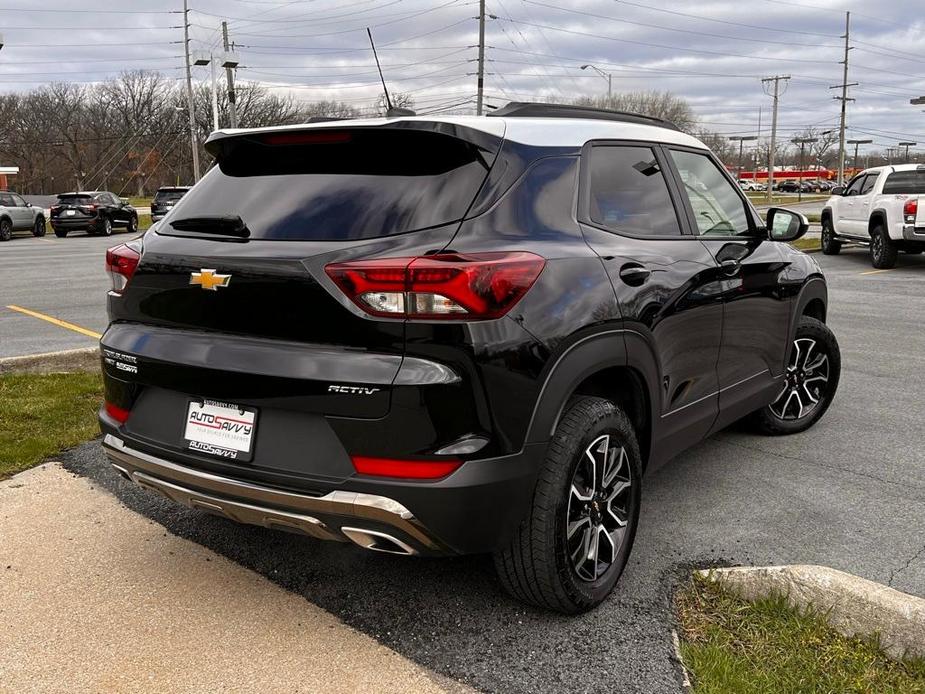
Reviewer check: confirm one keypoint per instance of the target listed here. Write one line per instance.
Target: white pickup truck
(883, 208)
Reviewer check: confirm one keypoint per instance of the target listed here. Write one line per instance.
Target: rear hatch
(73, 207)
(910, 186)
(230, 300)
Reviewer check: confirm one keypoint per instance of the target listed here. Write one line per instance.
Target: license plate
(70, 213)
(221, 429)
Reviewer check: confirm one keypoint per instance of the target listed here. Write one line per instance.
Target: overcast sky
(712, 52)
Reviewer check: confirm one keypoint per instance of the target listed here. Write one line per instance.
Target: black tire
(538, 566)
(882, 249)
(60, 233)
(107, 227)
(6, 229)
(133, 224)
(769, 420)
(829, 245)
(39, 228)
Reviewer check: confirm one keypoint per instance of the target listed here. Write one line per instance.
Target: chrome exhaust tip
(378, 541)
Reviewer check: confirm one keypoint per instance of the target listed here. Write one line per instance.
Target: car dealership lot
(850, 493)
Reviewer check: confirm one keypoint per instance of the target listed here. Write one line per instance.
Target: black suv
(96, 212)
(164, 200)
(442, 335)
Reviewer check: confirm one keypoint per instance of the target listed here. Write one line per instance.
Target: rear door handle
(634, 275)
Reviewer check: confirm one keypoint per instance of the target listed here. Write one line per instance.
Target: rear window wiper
(220, 225)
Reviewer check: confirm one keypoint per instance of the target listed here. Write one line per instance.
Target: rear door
(20, 213)
(665, 281)
(862, 206)
(756, 315)
(244, 319)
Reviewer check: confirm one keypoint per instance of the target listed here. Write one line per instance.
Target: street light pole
(740, 139)
(802, 141)
(907, 145)
(606, 75)
(856, 143)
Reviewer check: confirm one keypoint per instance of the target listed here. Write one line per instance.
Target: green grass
(806, 244)
(761, 198)
(730, 646)
(139, 202)
(42, 414)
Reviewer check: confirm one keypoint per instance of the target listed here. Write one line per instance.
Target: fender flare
(814, 288)
(879, 212)
(579, 360)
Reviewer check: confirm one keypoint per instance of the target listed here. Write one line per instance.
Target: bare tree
(329, 109)
(398, 99)
(664, 105)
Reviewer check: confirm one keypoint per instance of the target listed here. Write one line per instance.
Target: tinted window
(18, 201)
(628, 192)
(719, 209)
(74, 199)
(339, 185)
(869, 184)
(169, 195)
(854, 188)
(905, 182)
(6, 200)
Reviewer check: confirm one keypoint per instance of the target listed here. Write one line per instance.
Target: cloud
(713, 53)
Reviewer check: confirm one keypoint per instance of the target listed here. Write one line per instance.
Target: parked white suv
(884, 208)
(18, 215)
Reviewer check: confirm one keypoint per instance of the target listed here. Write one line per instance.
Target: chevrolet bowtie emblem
(207, 279)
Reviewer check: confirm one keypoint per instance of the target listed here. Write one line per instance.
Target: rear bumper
(81, 223)
(911, 233)
(473, 510)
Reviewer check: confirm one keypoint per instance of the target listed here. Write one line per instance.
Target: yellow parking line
(874, 272)
(56, 321)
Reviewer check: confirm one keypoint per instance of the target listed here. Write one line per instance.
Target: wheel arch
(877, 217)
(813, 301)
(597, 365)
(826, 214)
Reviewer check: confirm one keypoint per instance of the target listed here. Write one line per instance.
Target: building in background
(5, 172)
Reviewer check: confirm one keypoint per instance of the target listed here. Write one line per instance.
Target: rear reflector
(443, 286)
(117, 413)
(121, 263)
(406, 469)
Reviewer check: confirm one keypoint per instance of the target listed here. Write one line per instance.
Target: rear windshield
(169, 195)
(75, 199)
(338, 185)
(908, 182)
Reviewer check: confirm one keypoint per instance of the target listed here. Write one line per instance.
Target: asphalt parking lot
(850, 494)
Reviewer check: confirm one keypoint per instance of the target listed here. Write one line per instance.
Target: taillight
(443, 286)
(54, 208)
(88, 208)
(405, 469)
(121, 262)
(117, 413)
(910, 209)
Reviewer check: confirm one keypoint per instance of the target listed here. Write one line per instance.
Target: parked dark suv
(96, 212)
(164, 200)
(442, 335)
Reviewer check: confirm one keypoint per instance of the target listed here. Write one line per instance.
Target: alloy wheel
(876, 245)
(806, 381)
(598, 508)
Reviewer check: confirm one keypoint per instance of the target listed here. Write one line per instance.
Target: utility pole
(481, 72)
(776, 94)
(844, 102)
(190, 105)
(229, 77)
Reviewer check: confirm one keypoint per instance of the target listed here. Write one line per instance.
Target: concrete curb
(84, 359)
(853, 606)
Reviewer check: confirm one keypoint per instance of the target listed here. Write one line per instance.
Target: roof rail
(527, 109)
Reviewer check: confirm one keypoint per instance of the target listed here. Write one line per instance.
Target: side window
(854, 188)
(6, 200)
(18, 201)
(628, 192)
(719, 209)
(869, 184)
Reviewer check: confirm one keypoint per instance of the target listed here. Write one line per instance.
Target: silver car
(18, 215)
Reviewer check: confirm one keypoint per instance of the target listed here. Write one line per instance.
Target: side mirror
(124, 201)
(28, 204)
(838, 190)
(786, 225)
